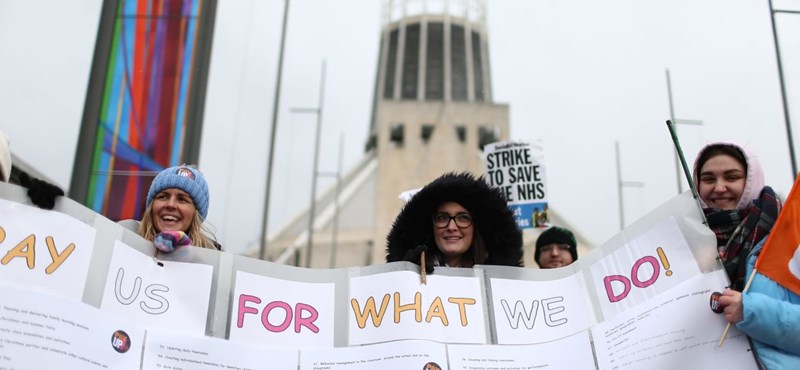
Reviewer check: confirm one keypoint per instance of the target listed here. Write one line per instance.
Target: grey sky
(577, 74)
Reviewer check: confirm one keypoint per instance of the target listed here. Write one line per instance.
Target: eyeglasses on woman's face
(441, 219)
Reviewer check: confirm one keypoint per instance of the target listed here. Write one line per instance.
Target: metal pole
(270, 157)
(312, 207)
(676, 121)
(336, 203)
(672, 118)
(621, 184)
(695, 194)
(619, 187)
(783, 91)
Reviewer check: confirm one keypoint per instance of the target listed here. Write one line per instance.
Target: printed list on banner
(165, 350)
(517, 169)
(38, 330)
(573, 352)
(173, 295)
(282, 313)
(405, 354)
(44, 249)
(675, 330)
(394, 305)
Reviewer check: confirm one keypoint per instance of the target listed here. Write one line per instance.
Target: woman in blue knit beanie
(178, 202)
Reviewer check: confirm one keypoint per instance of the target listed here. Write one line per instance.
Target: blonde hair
(196, 231)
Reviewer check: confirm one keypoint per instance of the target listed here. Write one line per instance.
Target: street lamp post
(262, 252)
(315, 172)
(772, 12)
(335, 230)
(621, 184)
(676, 121)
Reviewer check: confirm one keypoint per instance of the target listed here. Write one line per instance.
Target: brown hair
(718, 149)
(196, 231)
(478, 248)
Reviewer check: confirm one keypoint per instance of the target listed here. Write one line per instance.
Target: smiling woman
(178, 202)
(460, 222)
(740, 209)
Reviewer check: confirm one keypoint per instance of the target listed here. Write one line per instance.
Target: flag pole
(728, 327)
(695, 194)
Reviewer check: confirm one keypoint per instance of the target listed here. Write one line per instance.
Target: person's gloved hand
(414, 255)
(42, 193)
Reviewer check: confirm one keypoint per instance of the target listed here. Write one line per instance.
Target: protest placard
(517, 169)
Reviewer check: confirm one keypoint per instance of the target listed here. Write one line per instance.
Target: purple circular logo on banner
(121, 341)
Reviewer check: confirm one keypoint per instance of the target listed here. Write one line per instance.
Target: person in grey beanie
(555, 247)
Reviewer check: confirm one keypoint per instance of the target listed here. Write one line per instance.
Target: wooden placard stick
(728, 327)
(422, 273)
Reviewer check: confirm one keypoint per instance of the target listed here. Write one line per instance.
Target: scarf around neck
(738, 230)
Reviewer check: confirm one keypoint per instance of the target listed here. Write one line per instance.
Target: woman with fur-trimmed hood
(460, 222)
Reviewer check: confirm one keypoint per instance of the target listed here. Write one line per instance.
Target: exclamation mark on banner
(664, 260)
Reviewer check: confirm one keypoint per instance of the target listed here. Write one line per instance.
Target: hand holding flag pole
(728, 327)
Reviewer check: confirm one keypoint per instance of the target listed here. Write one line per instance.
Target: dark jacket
(493, 220)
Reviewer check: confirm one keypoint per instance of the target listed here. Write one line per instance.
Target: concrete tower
(433, 108)
(432, 113)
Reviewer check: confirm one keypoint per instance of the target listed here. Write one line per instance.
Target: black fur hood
(493, 219)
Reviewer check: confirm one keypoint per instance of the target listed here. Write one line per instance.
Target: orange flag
(780, 258)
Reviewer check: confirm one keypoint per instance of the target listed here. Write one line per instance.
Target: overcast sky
(579, 75)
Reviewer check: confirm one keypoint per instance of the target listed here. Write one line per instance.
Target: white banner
(165, 350)
(282, 313)
(395, 305)
(642, 268)
(157, 294)
(407, 354)
(642, 298)
(44, 249)
(42, 331)
(540, 311)
(574, 352)
(675, 330)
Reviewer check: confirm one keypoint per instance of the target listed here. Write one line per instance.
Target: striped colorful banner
(142, 122)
